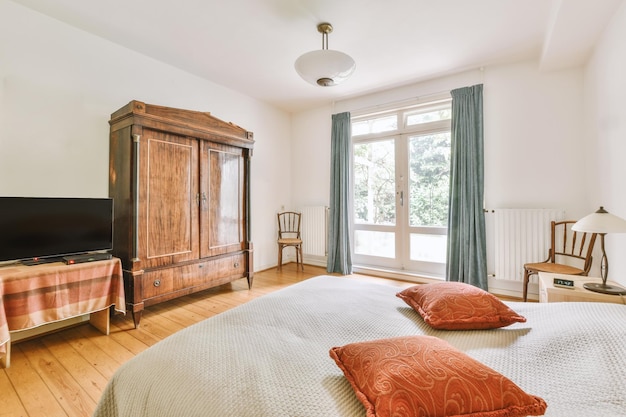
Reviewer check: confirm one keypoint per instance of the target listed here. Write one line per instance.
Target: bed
(270, 356)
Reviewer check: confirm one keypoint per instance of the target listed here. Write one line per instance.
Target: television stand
(41, 261)
(86, 257)
(42, 294)
(69, 259)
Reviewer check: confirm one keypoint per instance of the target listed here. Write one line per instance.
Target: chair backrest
(289, 224)
(568, 244)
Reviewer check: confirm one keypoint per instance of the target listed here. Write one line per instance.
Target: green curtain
(466, 252)
(339, 258)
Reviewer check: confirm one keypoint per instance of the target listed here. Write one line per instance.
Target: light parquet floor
(64, 373)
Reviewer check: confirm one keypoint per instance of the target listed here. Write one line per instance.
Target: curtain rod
(367, 109)
(382, 106)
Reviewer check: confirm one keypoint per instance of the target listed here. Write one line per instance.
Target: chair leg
(280, 258)
(299, 249)
(526, 280)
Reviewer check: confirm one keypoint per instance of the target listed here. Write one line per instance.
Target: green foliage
(429, 158)
(374, 181)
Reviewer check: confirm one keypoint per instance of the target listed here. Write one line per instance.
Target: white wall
(553, 139)
(533, 132)
(534, 137)
(311, 140)
(605, 111)
(58, 88)
(312, 135)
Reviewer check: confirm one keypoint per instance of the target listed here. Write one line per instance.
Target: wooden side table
(548, 293)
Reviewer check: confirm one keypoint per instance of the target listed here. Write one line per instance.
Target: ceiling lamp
(325, 67)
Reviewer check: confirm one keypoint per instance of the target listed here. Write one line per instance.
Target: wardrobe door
(221, 202)
(168, 199)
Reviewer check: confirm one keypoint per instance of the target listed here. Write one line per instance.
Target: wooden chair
(289, 235)
(565, 245)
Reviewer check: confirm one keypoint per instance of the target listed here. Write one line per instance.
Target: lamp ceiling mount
(325, 28)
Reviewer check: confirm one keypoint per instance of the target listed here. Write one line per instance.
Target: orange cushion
(458, 306)
(426, 376)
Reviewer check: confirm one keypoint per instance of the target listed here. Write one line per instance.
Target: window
(375, 125)
(401, 172)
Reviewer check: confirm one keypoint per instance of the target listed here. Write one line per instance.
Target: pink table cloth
(34, 295)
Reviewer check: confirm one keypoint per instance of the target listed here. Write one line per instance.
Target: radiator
(521, 236)
(314, 230)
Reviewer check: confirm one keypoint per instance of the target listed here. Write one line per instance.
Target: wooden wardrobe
(180, 181)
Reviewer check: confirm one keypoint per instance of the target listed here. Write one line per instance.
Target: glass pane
(382, 244)
(428, 248)
(431, 116)
(377, 125)
(374, 183)
(429, 176)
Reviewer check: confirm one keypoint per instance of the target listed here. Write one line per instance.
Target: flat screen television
(39, 229)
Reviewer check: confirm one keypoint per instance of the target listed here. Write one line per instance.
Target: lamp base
(604, 288)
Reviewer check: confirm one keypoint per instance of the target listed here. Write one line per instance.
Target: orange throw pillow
(426, 376)
(458, 306)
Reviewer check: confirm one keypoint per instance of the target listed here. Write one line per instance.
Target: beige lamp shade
(600, 222)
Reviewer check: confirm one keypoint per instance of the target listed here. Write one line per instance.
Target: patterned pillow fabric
(426, 376)
(458, 306)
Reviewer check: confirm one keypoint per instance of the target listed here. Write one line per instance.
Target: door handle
(201, 199)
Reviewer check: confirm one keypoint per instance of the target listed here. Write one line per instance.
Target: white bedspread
(269, 357)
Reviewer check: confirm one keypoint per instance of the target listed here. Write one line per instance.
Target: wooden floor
(64, 373)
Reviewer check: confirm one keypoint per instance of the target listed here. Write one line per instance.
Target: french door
(400, 193)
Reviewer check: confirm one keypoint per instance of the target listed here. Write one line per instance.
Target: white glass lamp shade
(325, 67)
(600, 222)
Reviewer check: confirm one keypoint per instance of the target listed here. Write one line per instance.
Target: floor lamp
(602, 222)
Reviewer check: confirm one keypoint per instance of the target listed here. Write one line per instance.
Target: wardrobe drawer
(157, 282)
(213, 270)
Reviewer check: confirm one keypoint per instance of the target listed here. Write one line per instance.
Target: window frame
(402, 261)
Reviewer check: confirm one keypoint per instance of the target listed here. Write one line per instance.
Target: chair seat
(554, 268)
(289, 241)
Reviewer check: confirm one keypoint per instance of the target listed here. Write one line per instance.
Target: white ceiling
(251, 45)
